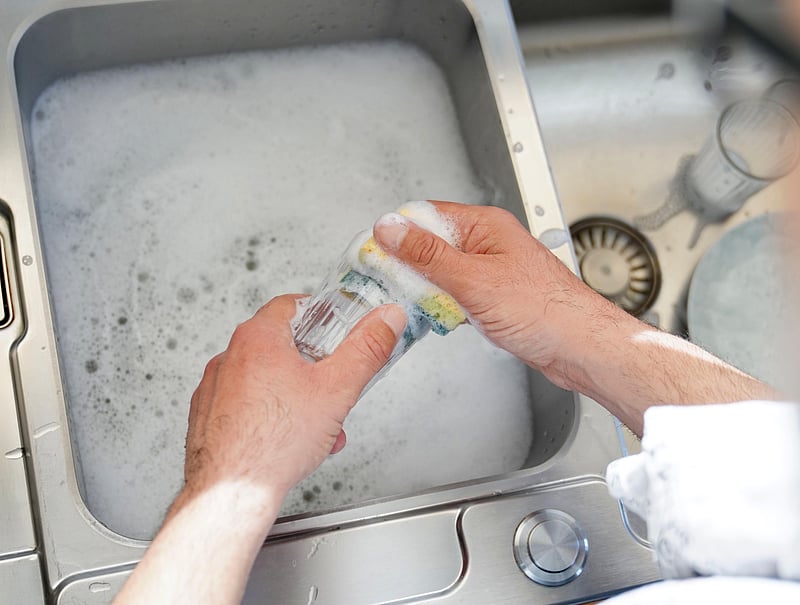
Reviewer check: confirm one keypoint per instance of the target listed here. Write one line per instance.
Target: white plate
(742, 302)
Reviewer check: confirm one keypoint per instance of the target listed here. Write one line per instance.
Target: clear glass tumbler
(755, 142)
(344, 298)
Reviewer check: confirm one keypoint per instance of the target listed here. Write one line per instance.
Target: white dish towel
(719, 487)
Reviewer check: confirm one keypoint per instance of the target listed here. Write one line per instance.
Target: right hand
(514, 290)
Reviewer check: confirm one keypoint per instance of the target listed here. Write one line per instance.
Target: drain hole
(617, 261)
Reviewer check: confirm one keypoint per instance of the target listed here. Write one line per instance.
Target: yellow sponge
(442, 312)
(370, 251)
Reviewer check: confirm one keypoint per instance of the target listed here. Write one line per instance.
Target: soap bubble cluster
(174, 199)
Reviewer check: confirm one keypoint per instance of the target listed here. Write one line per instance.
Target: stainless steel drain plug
(617, 261)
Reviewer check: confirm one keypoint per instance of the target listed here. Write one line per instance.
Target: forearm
(627, 366)
(206, 547)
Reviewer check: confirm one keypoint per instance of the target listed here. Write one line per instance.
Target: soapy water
(175, 199)
(367, 277)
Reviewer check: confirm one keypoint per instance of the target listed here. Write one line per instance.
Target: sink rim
(73, 542)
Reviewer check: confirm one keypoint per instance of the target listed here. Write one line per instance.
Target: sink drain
(617, 261)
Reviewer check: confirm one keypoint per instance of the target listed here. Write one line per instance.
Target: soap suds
(175, 199)
(402, 282)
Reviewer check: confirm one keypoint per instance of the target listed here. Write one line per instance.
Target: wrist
(609, 366)
(226, 519)
(591, 333)
(245, 506)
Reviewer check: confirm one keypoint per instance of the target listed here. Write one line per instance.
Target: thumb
(368, 346)
(423, 251)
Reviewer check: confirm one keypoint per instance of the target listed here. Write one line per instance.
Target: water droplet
(722, 54)
(553, 238)
(313, 593)
(187, 295)
(315, 544)
(46, 428)
(99, 587)
(665, 71)
(518, 147)
(15, 454)
(27, 260)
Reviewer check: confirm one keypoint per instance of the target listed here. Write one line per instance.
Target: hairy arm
(526, 301)
(627, 366)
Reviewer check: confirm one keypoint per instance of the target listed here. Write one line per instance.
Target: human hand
(261, 420)
(513, 289)
(264, 415)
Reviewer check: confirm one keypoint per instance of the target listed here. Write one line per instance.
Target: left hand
(262, 419)
(265, 415)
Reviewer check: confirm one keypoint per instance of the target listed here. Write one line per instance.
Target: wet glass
(345, 297)
(755, 142)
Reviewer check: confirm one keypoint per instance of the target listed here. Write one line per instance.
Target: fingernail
(390, 230)
(395, 317)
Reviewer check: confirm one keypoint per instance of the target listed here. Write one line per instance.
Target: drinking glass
(754, 143)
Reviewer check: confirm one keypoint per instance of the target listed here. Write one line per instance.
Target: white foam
(175, 199)
(403, 283)
(425, 214)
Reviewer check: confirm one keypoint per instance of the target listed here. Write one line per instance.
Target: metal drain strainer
(617, 261)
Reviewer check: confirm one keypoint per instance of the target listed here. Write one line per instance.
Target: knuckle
(213, 364)
(271, 303)
(376, 346)
(426, 251)
(500, 214)
(241, 335)
(500, 218)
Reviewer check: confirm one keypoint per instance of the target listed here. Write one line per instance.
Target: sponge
(442, 312)
(401, 282)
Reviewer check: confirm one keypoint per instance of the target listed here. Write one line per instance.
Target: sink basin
(435, 531)
(624, 93)
(623, 99)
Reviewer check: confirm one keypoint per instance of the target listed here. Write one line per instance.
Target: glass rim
(722, 147)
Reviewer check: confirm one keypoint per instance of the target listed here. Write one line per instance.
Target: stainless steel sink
(451, 542)
(622, 99)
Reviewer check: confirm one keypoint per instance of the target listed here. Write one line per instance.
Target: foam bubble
(426, 215)
(195, 191)
(403, 283)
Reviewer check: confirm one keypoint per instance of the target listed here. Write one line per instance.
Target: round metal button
(553, 546)
(550, 547)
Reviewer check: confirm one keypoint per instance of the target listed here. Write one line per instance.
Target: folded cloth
(710, 591)
(719, 488)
